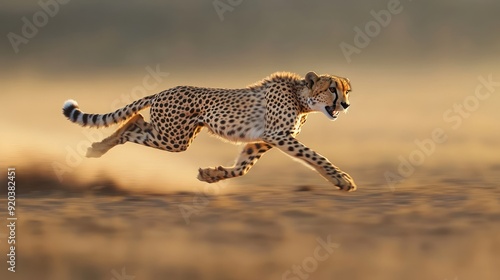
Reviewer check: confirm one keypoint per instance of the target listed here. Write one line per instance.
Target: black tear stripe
(335, 100)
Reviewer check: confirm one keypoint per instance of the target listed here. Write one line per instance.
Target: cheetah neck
(303, 92)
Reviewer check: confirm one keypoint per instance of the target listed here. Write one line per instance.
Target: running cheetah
(265, 115)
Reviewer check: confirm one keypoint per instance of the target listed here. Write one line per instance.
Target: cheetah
(266, 115)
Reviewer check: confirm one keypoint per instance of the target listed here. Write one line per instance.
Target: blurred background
(424, 110)
(407, 71)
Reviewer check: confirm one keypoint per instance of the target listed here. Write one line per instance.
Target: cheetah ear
(311, 78)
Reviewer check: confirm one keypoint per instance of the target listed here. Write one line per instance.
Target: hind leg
(138, 131)
(135, 124)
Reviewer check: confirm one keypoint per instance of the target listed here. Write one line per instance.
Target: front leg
(294, 148)
(249, 156)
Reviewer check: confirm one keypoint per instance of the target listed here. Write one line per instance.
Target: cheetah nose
(344, 105)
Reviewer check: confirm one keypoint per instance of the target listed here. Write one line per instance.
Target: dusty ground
(435, 227)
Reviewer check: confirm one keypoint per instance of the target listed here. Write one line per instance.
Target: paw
(96, 150)
(212, 175)
(100, 148)
(345, 182)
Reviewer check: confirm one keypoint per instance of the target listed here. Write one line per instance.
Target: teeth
(334, 113)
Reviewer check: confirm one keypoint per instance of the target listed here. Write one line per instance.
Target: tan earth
(444, 228)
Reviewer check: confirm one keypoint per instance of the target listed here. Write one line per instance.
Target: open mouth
(331, 111)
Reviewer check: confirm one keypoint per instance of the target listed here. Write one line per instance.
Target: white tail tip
(70, 103)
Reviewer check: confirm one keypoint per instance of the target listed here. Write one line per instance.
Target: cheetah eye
(347, 92)
(333, 90)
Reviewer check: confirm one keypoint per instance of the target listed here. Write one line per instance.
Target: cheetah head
(328, 94)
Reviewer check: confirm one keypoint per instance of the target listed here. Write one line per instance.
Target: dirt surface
(438, 227)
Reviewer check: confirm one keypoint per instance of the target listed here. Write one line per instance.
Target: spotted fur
(264, 115)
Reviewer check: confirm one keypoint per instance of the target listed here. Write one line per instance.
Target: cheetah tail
(74, 114)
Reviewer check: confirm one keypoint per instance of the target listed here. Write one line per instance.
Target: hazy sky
(84, 36)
